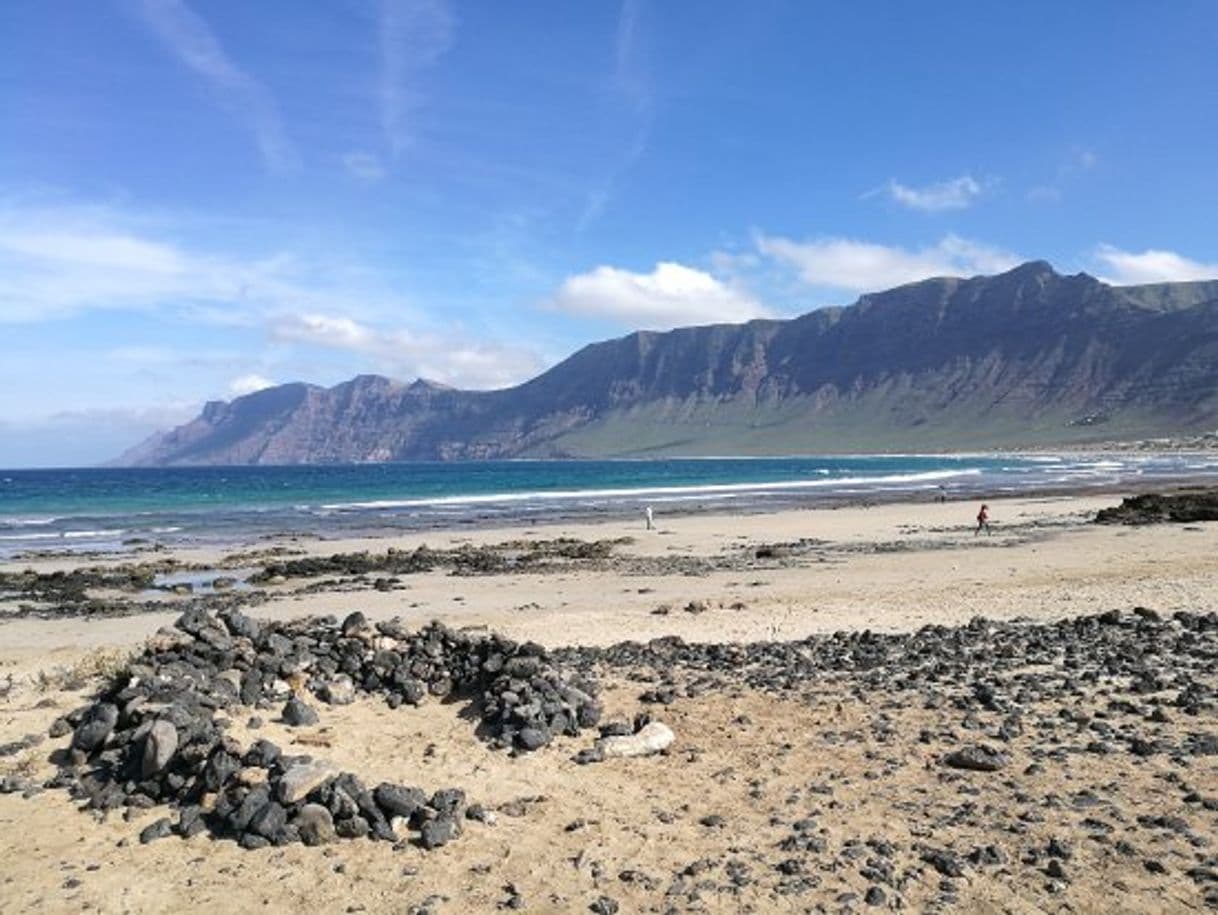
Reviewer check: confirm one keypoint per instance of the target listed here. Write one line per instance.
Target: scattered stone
(945, 862)
(158, 830)
(654, 737)
(297, 714)
(977, 759)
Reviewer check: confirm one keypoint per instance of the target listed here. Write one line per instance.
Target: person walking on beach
(983, 520)
(651, 526)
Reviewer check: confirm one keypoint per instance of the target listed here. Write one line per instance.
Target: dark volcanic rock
(1181, 508)
(315, 825)
(158, 830)
(977, 759)
(298, 714)
(398, 800)
(98, 723)
(439, 831)
(945, 862)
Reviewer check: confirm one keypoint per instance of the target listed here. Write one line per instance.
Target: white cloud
(336, 332)
(1128, 268)
(859, 266)
(671, 295)
(248, 384)
(60, 261)
(364, 166)
(189, 38)
(413, 35)
(449, 357)
(956, 194)
(112, 251)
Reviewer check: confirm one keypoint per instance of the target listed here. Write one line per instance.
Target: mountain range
(1025, 358)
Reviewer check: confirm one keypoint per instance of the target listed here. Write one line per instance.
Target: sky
(200, 198)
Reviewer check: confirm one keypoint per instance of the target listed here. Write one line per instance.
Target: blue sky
(201, 197)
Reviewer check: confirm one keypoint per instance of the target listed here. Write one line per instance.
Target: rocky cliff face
(1028, 357)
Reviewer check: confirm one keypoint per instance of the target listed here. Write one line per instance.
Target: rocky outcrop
(1024, 358)
(1187, 507)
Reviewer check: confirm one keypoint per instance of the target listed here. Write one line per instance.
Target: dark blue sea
(109, 509)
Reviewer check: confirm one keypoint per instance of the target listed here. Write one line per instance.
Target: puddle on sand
(202, 581)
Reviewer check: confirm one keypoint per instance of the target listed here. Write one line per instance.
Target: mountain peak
(426, 386)
(1032, 268)
(371, 381)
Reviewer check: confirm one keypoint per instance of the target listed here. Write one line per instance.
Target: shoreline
(343, 513)
(607, 515)
(890, 566)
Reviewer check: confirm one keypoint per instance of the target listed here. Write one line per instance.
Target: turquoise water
(103, 508)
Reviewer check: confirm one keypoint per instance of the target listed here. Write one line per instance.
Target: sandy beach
(700, 827)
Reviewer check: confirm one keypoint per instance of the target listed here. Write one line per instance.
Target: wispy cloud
(59, 261)
(1079, 160)
(632, 85)
(413, 36)
(1129, 268)
(602, 192)
(631, 72)
(860, 266)
(671, 295)
(191, 40)
(954, 194)
(364, 167)
(451, 357)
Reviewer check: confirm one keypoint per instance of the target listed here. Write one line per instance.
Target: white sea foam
(84, 535)
(645, 492)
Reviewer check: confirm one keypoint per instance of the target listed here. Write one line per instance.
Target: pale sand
(890, 567)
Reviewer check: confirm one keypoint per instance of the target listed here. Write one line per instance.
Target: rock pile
(152, 736)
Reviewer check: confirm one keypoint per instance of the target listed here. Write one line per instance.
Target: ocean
(106, 509)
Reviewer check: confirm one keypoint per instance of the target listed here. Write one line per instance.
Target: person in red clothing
(983, 520)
